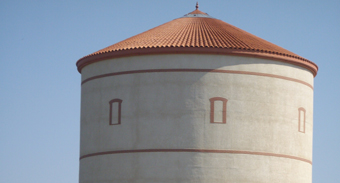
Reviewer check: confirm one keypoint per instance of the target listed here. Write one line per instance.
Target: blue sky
(40, 42)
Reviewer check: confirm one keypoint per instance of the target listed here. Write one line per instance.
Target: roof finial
(197, 5)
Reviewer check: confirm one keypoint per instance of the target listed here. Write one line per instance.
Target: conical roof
(197, 32)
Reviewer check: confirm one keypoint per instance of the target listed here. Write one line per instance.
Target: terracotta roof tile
(197, 11)
(198, 32)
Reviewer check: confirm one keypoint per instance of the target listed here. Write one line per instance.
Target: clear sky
(40, 42)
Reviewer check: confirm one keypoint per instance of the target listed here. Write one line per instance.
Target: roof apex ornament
(197, 5)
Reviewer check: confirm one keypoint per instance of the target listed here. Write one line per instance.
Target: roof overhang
(81, 63)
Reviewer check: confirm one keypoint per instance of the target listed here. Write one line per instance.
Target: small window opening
(115, 111)
(302, 120)
(218, 110)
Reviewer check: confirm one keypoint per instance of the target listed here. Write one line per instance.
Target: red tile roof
(202, 35)
(197, 11)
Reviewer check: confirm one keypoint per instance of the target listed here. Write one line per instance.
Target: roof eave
(299, 61)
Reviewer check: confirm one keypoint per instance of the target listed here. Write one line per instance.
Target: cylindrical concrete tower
(196, 100)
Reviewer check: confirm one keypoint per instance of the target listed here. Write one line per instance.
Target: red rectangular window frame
(224, 109)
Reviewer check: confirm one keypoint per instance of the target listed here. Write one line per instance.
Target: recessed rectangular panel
(302, 121)
(114, 113)
(218, 111)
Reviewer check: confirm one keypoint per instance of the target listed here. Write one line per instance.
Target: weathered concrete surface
(171, 111)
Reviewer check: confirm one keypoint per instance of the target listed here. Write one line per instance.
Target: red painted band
(198, 151)
(197, 70)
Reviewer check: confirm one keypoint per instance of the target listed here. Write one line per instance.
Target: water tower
(196, 100)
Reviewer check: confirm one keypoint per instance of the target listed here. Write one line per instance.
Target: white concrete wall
(171, 110)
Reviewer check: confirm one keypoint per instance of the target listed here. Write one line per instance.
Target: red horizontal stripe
(197, 70)
(198, 151)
